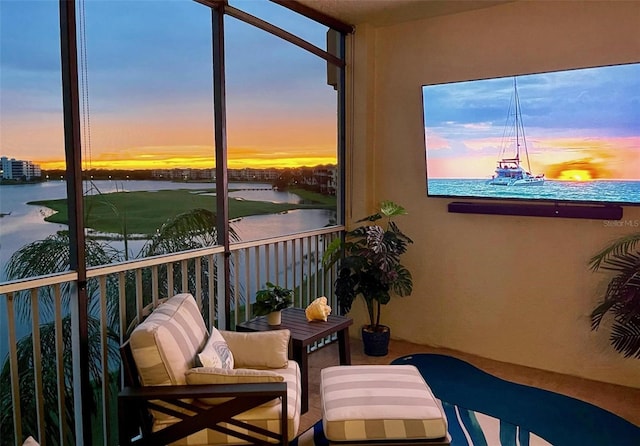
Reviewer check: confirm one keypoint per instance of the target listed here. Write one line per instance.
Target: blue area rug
(483, 410)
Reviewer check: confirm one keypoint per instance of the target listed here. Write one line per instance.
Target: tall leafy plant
(369, 263)
(622, 296)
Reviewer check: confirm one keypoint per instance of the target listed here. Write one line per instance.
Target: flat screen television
(564, 137)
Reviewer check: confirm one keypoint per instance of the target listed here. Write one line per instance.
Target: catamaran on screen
(509, 172)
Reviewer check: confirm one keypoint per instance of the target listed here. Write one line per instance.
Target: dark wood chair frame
(135, 402)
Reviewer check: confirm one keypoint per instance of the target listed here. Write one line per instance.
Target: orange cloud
(194, 157)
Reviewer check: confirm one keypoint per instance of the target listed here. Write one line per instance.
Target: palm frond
(390, 209)
(618, 247)
(625, 338)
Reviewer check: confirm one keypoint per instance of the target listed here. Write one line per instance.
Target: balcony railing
(39, 385)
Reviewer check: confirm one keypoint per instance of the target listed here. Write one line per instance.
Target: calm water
(26, 223)
(615, 191)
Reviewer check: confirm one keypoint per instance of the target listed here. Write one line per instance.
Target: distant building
(19, 170)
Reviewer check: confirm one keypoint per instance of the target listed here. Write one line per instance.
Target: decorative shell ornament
(318, 310)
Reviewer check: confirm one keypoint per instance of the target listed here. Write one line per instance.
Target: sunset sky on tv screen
(579, 124)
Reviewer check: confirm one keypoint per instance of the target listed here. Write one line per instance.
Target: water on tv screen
(566, 136)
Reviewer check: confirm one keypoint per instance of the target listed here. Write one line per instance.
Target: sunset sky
(149, 94)
(579, 124)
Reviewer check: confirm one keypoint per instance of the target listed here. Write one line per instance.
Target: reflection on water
(26, 223)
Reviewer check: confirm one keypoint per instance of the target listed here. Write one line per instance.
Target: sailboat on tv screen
(509, 171)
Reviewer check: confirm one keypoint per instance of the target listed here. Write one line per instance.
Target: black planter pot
(376, 343)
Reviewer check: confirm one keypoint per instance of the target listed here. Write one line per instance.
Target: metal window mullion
(221, 155)
(77, 248)
(13, 370)
(37, 361)
(342, 133)
(285, 35)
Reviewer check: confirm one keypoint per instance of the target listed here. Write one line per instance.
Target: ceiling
(386, 12)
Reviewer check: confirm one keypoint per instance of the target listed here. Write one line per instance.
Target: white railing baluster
(139, 300)
(13, 369)
(104, 356)
(247, 285)
(221, 316)
(310, 275)
(276, 261)
(292, 261)
(37, 361)
(170, 290)
(184, 273)
(285, 251)
(211, 287)
(122, 306)
(57, 318)
(198, 273)
(154, 285)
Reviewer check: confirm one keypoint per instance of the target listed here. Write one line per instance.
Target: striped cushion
(211, 375)
(165, 345)
(265, 416)
(379, 402)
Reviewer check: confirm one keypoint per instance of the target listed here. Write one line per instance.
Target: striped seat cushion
(379, 402)
(266, 416)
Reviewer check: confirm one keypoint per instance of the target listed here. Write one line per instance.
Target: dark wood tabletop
(302, 331)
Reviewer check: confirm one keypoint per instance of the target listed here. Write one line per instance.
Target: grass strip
(144, 212)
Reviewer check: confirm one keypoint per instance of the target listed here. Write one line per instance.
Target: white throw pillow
(216, 352)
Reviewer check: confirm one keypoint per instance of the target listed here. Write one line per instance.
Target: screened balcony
(463, 298)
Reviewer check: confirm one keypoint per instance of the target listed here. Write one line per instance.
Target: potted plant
(270, 301)
(622, 296)
(369, 266)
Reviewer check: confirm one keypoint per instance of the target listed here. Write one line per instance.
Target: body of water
(23, 223)
(559, 191)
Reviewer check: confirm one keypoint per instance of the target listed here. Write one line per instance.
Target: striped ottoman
(388, 404)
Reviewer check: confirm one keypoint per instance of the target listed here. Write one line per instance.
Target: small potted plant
(270, 301)
(369, 266)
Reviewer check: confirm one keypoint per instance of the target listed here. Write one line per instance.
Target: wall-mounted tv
(563, 137)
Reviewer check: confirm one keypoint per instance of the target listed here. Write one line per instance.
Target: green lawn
(144, 212)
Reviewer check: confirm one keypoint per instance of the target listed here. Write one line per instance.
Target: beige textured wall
(528, 304)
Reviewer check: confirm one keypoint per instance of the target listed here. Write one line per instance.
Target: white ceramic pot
(274, 318)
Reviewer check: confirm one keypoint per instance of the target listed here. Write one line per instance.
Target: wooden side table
(303, 334)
